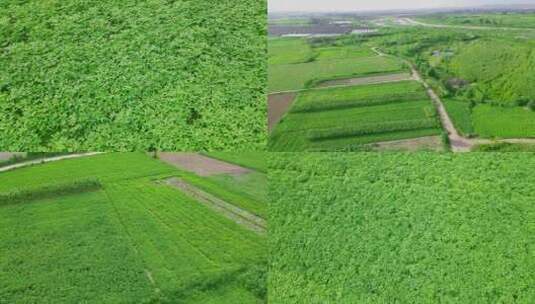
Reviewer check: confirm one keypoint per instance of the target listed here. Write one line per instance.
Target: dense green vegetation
(347, 117)
(165, 247)
(504, 147)
(493, 121)
(298, 63)
(401, 228)
(130, 75)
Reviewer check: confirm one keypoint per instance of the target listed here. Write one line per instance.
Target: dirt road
(46, 160)
(200, 164)
(238, 215)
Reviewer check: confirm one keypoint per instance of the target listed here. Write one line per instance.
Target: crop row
(377, 128)
(342, 104)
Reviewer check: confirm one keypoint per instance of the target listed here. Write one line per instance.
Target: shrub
(531, 105)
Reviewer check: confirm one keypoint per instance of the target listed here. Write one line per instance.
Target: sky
(370, 5)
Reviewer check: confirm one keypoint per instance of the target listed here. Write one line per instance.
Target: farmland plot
(348, 117)
(159, 243)
(405, 228)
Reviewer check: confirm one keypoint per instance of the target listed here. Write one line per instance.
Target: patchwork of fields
(348, 117)
(294, 65)
(402, 228)
(107, 229)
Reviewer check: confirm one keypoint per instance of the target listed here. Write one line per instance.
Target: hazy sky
(367, 5)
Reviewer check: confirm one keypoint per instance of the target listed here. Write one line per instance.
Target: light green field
(503, 122)
(487, 20)
(134, 240)
(288, 51)
(460, 113)
(286, 77)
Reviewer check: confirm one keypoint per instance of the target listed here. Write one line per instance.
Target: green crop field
(503, 122)
(124, 237)
(348, 117)
(285, 77)
(402, 228)
(130, 75)
(296, 63)
(461, 114)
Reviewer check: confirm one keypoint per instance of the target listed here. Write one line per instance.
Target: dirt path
(46, 160)
(278, 105)
(238, 215)
(200, 164)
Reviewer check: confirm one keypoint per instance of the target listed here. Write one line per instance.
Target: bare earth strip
(278, 105)
(366, 80)
(46, 160)
(239, 216)
(428, 143)
(200, 164)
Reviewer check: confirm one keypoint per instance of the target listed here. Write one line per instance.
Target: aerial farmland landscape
(133, 228)
(437, 80)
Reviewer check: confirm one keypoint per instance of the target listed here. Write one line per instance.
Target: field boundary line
(232, 212)
(46, 160)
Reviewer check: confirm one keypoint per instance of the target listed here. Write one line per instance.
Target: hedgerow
(132, 75)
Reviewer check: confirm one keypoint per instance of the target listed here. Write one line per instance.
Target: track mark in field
(388, 78)
(278, 105)
(238, 215)
(200, 164)
(46, 160)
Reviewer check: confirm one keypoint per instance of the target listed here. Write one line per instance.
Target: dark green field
(130, 75)
(402, 228)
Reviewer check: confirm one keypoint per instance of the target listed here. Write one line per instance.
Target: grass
(164, 74)
(287, 77)
(520, 20)
(503, 122)
(505, 147)
(289, 51)
(165, 246)
(401, 228)
(346, 117)
(461, 114)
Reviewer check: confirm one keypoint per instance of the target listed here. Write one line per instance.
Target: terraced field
(348, 117)
(108, 229)
(402, 228)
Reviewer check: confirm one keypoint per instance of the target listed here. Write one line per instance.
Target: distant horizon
(352, 6)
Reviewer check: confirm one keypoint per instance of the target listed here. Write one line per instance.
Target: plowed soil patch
(200, 165)
(278, 105)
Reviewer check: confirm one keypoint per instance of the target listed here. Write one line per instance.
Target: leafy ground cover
(370, 228)
(348, 117)
(132, 240)
(167, 75)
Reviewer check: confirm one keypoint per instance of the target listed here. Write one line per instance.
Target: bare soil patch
(200, 164)
(428, 143)
(9, 155)
(278, 105)
(366, 80)
(238, 215)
